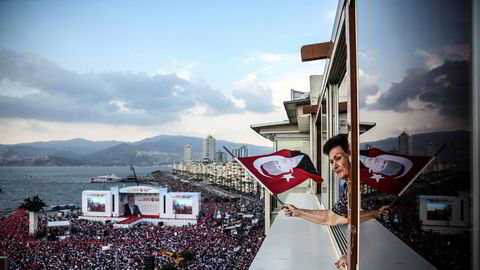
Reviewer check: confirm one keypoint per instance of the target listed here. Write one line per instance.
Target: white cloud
(141, 104)
(185, 72)
(239, 103)
(247, 81)
(122, 106)
(432, 60)
(253, 96)
(109, 97)
(435, 57)
(15, 89)
(197, 110)
(182, 70)
(270, 57)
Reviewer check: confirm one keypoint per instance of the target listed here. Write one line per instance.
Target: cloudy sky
(124, 70)
(413, 74)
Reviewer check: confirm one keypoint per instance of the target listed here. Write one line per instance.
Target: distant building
(220, 156)
(241, 151)
(405, 145)
(209, 148)
(187, 153)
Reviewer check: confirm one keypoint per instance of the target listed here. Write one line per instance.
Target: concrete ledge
(295, 243)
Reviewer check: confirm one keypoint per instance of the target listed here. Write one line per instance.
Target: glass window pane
(414, 64)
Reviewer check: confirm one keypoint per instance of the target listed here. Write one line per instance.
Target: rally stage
(128, 206)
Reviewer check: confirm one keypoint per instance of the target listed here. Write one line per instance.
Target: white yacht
(105, 179)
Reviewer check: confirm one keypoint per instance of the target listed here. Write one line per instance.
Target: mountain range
(163, 149)
(166, 149)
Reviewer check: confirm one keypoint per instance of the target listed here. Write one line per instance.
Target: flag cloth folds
(390, 173)
(280, 171)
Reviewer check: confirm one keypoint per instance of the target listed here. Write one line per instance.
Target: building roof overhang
(291, 108)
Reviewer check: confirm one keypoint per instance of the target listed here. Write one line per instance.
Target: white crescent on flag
(258, 163)
(404, 161)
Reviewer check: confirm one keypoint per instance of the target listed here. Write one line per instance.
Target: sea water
(58, 185)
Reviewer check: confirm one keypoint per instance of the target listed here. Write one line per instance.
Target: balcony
(294, 243)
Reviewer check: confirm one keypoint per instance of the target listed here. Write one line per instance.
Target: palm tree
(33, 206)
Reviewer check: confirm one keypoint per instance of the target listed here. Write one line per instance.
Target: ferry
(105, 179)
(63, 207)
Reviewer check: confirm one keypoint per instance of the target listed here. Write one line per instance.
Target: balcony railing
(294, 243)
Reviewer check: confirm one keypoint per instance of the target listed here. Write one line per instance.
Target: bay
(58, 185)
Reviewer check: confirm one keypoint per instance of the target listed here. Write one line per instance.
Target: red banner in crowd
(390, 173)
(280, 171)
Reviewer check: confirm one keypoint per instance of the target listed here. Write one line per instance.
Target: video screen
(182, 206)
(96, 204)
(439, 211)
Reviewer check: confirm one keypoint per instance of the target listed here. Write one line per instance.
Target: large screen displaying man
(131, 209)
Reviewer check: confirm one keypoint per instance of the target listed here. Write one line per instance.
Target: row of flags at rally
(285, 169)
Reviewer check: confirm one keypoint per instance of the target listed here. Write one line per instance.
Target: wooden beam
(319, 155)
(316, 51)
(310, 109)
(353, 124)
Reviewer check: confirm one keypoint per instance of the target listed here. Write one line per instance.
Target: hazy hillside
(77, 146)
(161, 149)
(175, 144)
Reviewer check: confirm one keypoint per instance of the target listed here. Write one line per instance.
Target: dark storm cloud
(445, 88)
(109, 97)
(399, 94)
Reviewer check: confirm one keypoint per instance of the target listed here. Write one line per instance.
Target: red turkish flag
(390, 173)
(280, 171)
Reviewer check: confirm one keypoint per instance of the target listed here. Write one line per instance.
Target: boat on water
(105, 179)
(63, 207)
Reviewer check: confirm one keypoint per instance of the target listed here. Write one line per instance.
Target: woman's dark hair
(337, 140)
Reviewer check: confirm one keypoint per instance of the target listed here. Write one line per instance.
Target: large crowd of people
(95, 245)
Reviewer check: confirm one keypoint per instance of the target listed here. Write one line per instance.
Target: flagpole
(256, 179)
(278, 199)
(418, 173)
(229, 152)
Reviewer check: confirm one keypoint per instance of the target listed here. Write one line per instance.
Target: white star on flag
(288, 177)
(377, 177)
